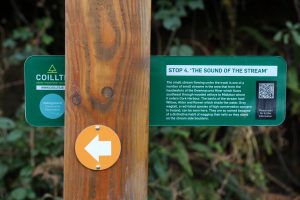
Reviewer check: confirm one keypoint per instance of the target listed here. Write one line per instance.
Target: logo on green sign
(44, 90)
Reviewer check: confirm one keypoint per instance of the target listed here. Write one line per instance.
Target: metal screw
(98, 167)
(97, 127)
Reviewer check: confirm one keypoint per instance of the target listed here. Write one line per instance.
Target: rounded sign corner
(29, 121)
(28, 59)
(281, 59)
(281, 121)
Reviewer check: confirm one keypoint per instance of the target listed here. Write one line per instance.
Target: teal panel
(217, 91)
(45, 90)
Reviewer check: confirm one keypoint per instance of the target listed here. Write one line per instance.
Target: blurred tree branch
(18, 12)
(11, 84)
(296, 4)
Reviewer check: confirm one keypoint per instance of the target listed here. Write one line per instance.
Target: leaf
(186, 50)
(289, 24)
(181, 12)
(278, 36)
(172, 23)
(160, 169)
(44, 23)
(170, 131)
(295, 107)
(181, 50)
(183, 157)
(14, 135)
(19, 193)
(26, 171)
(19, 56)
(257, 36)
(47, 39)
(234, 186)
(180, 132)
(268, 144)
(296, 26)
(44, 150)
(163, 3)
(218, 147)
(166, 130)
(292, 81)
(9, 43)
(22, 33)
(296, 37)
(159, 163)
(3, 170)
(31, 195)
(161, 14)
(196, 4)
(6, 123)
(201, 148)
(286, 38)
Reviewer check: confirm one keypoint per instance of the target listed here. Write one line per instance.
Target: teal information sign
(217, 91)
(45, 90)
(184, 91)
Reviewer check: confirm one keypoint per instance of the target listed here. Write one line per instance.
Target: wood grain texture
(108, 46)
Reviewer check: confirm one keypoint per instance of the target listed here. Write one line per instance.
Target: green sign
(184, 91)
(44, 90)
(217, 91)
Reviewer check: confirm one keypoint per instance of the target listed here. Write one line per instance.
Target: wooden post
(107, 82)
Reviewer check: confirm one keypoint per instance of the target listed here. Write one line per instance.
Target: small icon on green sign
(52, 70)
(52, 106)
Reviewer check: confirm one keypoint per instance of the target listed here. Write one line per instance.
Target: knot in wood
(107, 92)
(76, 99)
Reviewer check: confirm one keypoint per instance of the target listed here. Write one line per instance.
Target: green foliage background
(184, 162)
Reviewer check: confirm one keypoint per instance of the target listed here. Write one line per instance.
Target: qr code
(266, 90)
